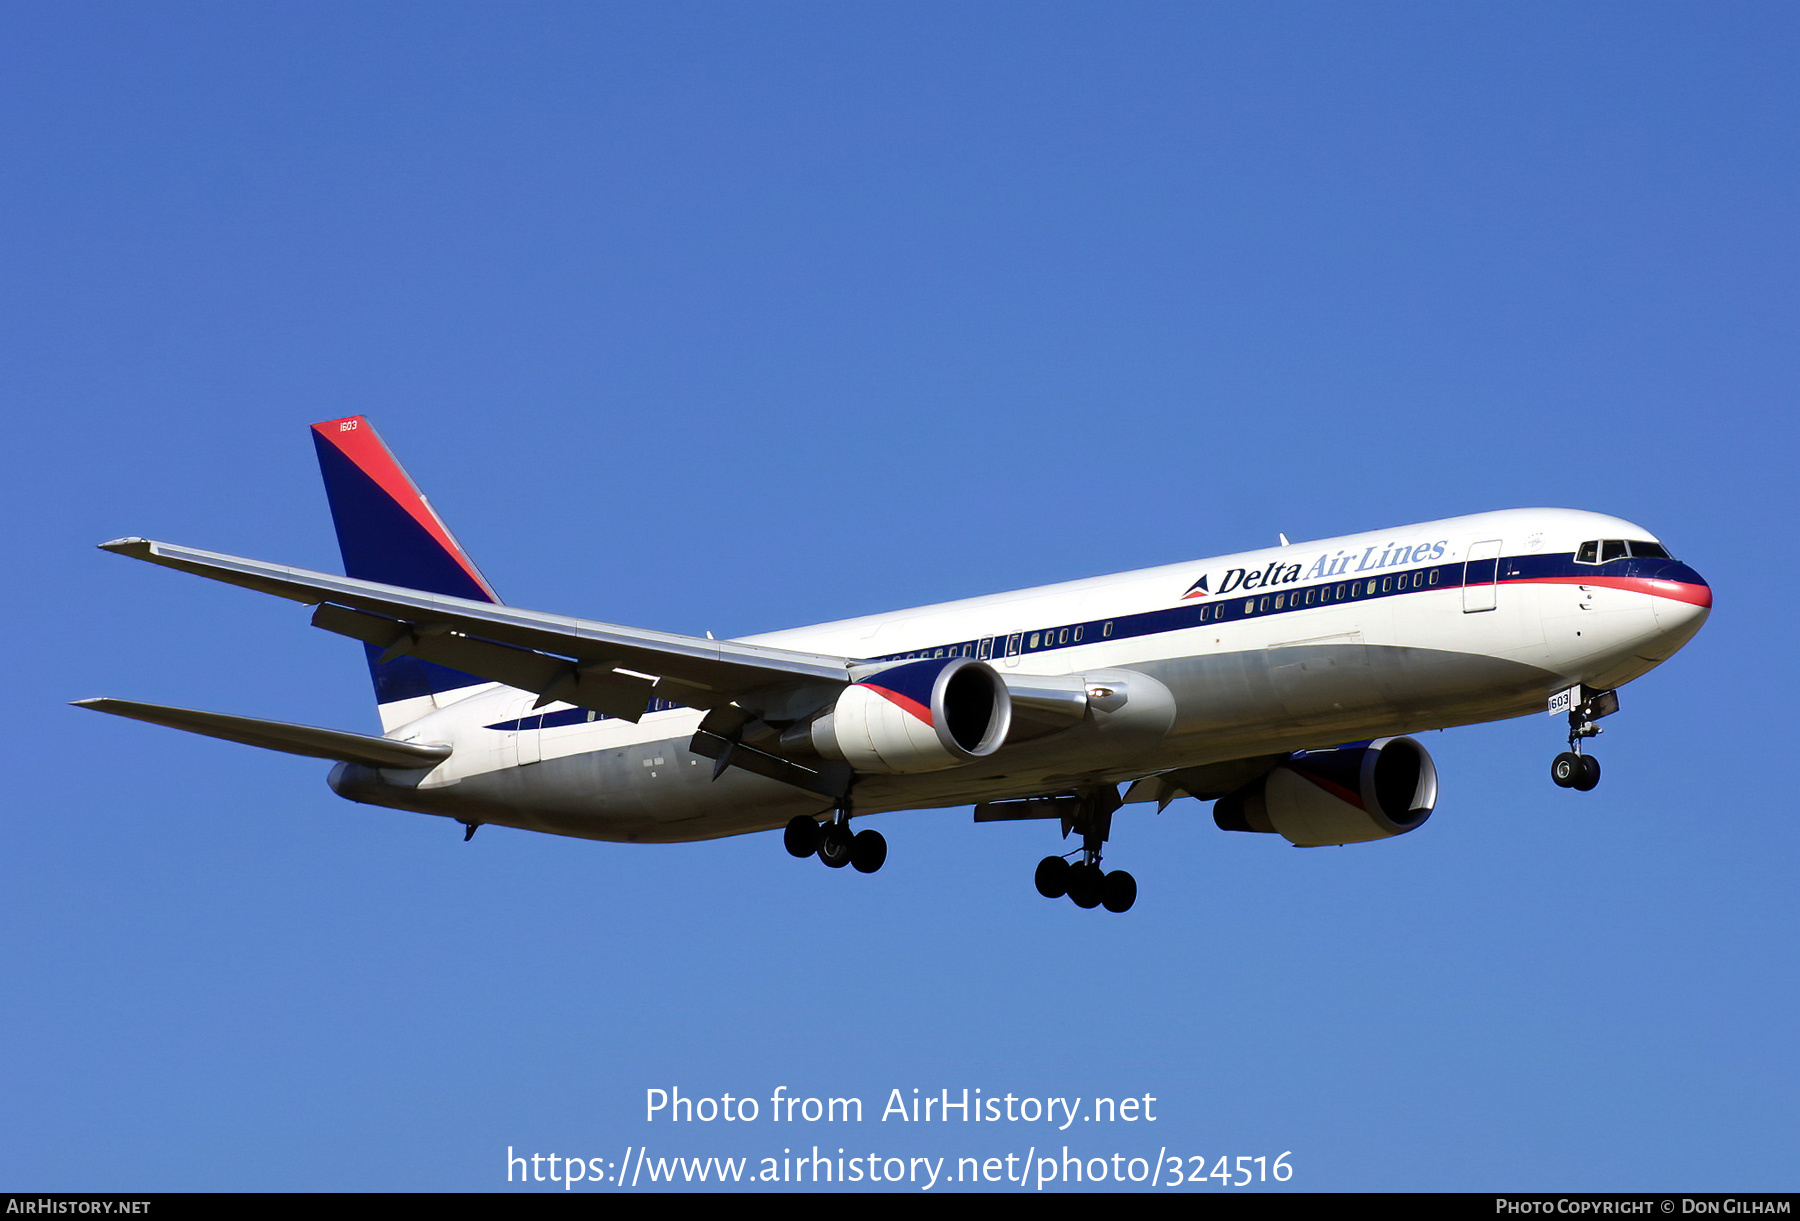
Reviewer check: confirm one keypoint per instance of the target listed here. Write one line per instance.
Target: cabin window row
(966, 649)
(1057, 636)
(1317, 595)
(1320, 595)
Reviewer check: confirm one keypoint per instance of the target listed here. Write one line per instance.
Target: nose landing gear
(1572, 769)
(1086, 884)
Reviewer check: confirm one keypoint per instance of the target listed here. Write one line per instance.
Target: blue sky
(730, 318)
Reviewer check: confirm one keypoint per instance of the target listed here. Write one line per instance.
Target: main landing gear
(1086, 884)
(1572, 769)
(834, 843)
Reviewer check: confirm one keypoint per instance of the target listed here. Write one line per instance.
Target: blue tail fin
(388, 532)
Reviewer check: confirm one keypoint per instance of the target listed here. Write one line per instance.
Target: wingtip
(133, 546)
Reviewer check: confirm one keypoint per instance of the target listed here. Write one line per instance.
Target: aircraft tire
(1052, 877)
(1084, 885)
(1565, 769)
(1590, 774)
(867, 851)
(801, 838)
(834, 846)
(1118, 891)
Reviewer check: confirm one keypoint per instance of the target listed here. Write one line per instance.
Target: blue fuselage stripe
(1265, 599)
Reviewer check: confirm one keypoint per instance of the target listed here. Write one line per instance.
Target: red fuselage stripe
(1679, 591)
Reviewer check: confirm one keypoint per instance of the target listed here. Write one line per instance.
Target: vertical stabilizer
(387, 531)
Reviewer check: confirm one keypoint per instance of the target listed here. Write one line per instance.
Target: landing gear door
(1481, 576)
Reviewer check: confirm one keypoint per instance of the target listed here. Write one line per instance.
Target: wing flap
(278, 735)
(553, 679)
(1207, 782)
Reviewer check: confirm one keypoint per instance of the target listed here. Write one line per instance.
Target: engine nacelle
(1347, 795)
(918, 716)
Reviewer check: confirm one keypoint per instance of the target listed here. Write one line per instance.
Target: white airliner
(1274, 683)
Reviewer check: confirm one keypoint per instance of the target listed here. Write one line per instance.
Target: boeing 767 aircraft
(1276, 684)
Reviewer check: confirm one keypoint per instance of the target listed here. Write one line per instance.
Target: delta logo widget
(1279, 572)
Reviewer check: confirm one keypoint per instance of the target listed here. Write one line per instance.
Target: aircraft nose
(1683, 599)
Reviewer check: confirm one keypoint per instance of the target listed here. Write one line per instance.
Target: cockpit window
(1601, 551)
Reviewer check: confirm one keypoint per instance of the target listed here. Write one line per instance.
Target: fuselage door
(1481, 576)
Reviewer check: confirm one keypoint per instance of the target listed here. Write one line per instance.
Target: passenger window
(939, 653)
(1434, 576)
(1249, 606)
(1062, 637)
(1265, 604)
(1309, 597)
(1648, 550)
(1387, 585)
(1034, 640)
(1077, 635)
(1107, 630)
(1588, 553)
(1612, 549)
(1340, 592)
(1278, 600)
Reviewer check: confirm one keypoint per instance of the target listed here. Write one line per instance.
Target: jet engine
(918, 716)
(1346, 795)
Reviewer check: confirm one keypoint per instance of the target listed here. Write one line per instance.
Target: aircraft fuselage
(1299, 647)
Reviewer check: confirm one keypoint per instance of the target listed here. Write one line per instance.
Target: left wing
(612, 669)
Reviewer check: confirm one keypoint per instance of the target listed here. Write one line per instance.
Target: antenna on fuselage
(1283, 539)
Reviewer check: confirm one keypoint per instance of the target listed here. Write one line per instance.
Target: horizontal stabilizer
(278, 735)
